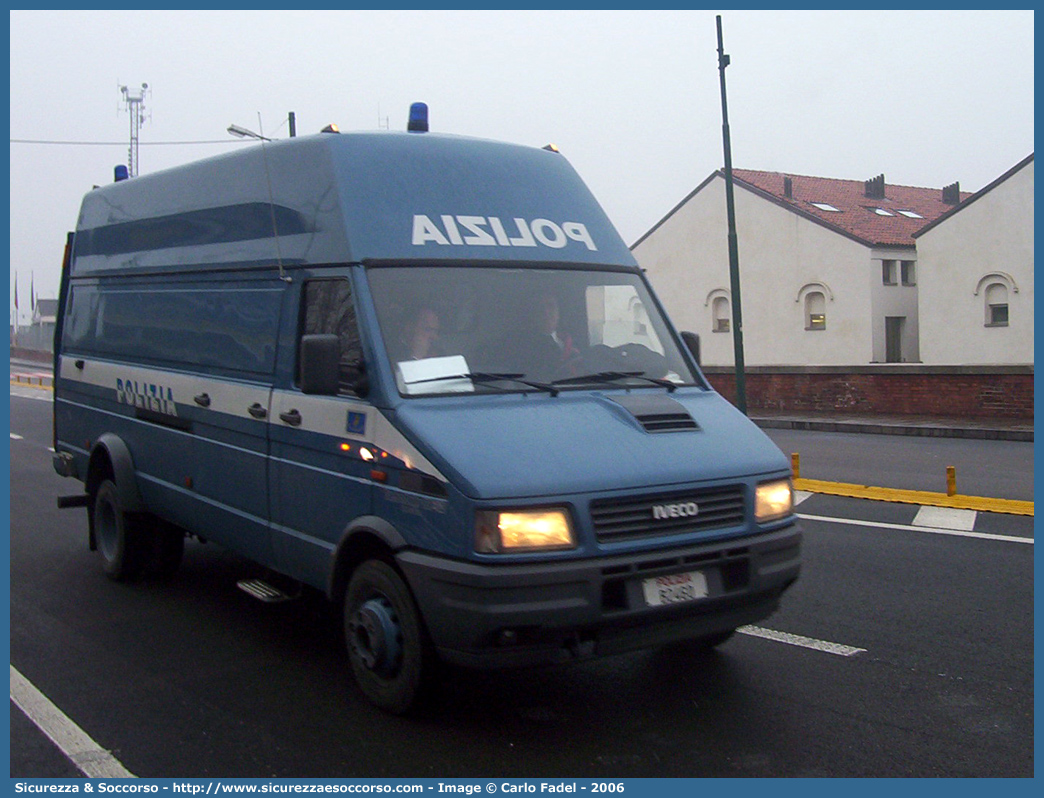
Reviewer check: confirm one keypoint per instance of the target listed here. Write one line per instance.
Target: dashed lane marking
(804, 642)
(91, 759)
(946, 518)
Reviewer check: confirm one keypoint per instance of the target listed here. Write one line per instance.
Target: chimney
(951, 194)
(788, 188)
(875, 187)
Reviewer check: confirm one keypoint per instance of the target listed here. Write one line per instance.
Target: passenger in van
(549, 351)
(418, 337)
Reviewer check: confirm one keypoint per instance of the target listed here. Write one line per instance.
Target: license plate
(674, 588)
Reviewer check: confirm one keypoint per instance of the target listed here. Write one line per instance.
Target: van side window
(179, 323)
(329, 309)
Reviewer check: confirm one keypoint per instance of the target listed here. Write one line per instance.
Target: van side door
(320, 463)
(229, 407)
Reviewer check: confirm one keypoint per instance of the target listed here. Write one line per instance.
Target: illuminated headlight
(773, 500)
(522, 531)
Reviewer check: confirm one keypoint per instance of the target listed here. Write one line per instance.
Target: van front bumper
(492, 616)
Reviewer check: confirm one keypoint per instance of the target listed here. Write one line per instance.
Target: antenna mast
(134, 99)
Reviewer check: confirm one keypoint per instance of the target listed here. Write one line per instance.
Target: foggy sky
(631, 98)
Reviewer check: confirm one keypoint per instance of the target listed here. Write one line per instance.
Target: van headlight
(773, 500)
(498, 532)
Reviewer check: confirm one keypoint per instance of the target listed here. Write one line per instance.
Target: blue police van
(424, 375)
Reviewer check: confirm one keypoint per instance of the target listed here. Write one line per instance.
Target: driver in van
(417, 339)
(551, 352)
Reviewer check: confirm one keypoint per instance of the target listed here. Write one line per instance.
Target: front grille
(673, 514)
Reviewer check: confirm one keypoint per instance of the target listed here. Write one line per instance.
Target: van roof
(349, 198)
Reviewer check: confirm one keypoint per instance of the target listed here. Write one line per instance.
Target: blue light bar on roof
(418, 118)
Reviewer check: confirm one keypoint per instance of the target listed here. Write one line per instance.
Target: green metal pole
(734, 278)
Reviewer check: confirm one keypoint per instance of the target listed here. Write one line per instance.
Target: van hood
(524, 446)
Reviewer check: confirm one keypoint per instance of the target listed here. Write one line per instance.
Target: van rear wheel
(385, 638)
(120, 536)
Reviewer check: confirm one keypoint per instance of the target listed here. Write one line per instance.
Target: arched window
(720, 313)
(815, 311)
(996, 305)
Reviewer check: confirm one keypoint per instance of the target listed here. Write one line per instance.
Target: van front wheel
(385, 639)
(119, 535)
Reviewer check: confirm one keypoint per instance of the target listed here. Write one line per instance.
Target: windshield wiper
(610, 377)
(485, 378)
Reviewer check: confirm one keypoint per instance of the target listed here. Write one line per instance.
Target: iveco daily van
(422, 374)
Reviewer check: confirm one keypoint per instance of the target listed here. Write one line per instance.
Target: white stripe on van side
(328, 415)
(325, 415)
(231, 397)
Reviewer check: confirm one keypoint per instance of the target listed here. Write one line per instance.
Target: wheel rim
(105, 527)
(376, 636)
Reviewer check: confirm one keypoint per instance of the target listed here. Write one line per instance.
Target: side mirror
(319, 364)
(692, 342)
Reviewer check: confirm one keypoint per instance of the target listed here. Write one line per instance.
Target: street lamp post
(734, 277)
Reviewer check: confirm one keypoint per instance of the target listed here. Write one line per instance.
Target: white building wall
(989, 241)
(896, 300)
(782, 258)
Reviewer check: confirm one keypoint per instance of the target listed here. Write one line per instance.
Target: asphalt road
(996, 469)
(192, 678)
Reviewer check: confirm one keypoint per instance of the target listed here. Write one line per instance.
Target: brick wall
(959, 391)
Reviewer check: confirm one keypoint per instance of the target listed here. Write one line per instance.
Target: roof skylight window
(826, 206)
(911, 214)
(881, 212)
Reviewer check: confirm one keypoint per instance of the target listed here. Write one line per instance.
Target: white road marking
(15, 437)
(800, 496)
(953, 532)
(946, 518)
(27, 392)
(92, 760)
(804, 642)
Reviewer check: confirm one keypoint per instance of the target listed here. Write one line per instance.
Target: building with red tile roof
(828, 267)
(872, 212)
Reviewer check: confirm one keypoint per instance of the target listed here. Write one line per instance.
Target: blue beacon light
(418, 118)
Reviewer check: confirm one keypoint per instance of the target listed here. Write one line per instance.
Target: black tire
(120, 536)
(387, 645)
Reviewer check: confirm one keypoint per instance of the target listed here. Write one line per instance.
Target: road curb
(921, 497)
(33, 381)
(913, 430)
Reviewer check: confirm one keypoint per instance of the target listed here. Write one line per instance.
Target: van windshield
(450, 329)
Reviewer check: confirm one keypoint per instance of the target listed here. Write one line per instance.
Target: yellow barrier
(31, 381)
(956, 501)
